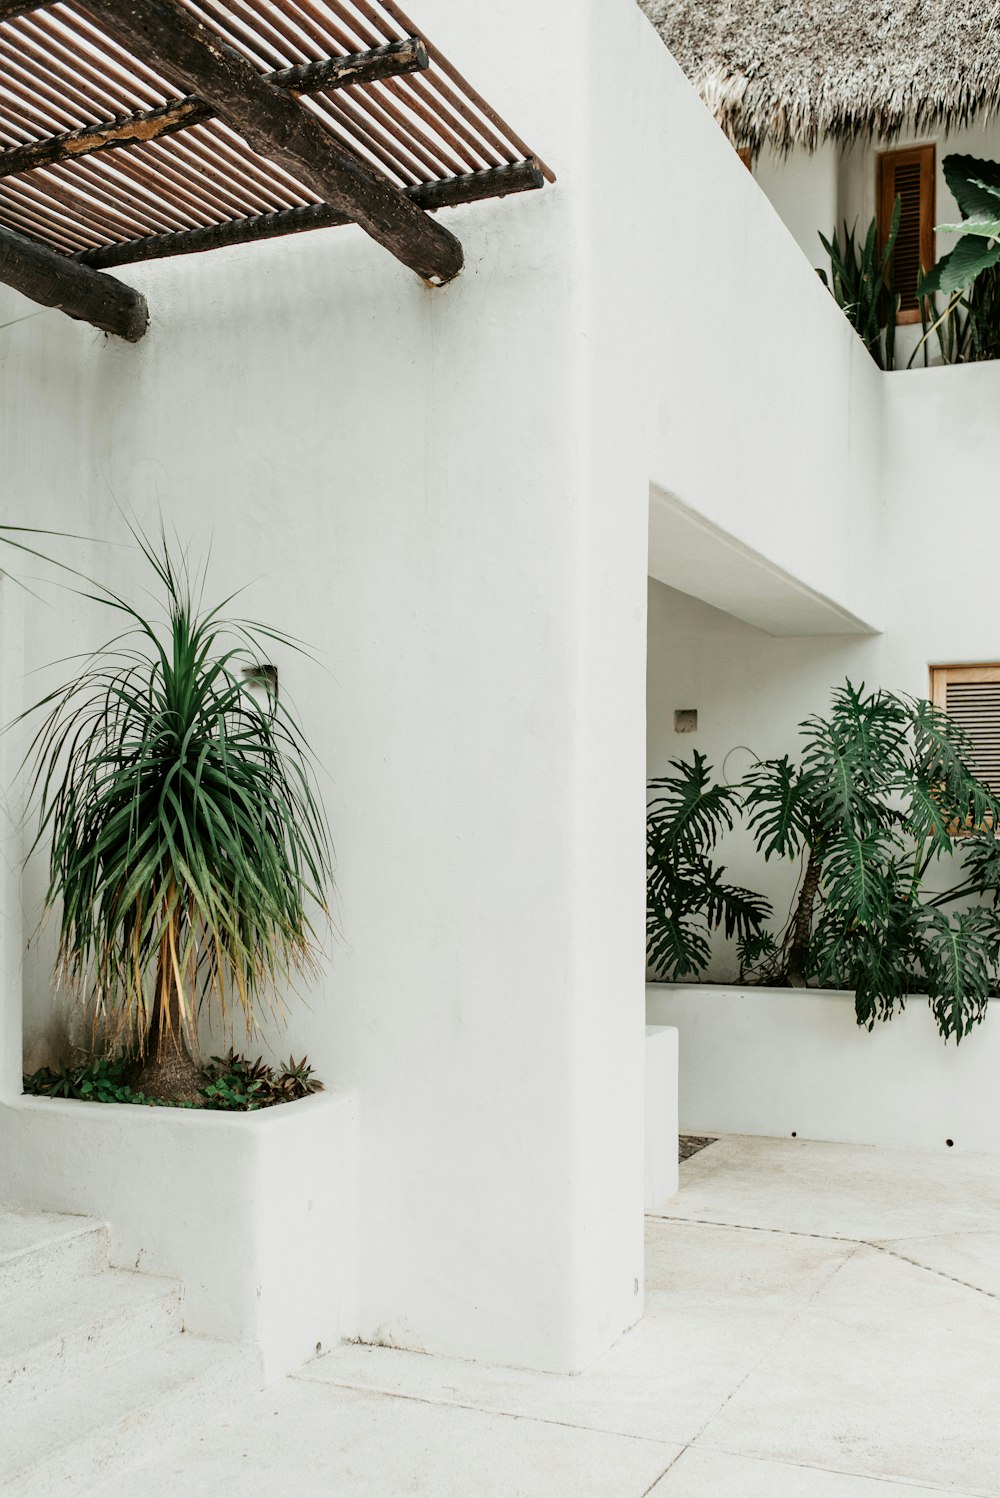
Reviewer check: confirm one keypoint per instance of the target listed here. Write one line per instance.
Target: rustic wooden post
(56, 281)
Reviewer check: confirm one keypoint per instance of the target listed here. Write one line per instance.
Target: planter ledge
(252, 1211)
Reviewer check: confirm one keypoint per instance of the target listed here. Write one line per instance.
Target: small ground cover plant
(230, 1083)
(880, 794)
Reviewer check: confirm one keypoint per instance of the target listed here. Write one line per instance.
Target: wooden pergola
(136, 129)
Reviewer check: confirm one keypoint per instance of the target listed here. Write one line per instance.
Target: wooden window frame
(941, 677)
(926, 156)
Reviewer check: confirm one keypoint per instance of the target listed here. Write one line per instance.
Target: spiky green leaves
(859, 283)
(189, 855)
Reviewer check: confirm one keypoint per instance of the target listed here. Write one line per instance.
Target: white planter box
(252, 1211)
(780, 1061)
(661, 1175)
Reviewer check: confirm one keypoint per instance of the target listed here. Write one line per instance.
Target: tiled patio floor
(822, 1321)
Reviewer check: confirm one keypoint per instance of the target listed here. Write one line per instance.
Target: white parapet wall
(793, 1062)
(661, 1115)
(254, 1212)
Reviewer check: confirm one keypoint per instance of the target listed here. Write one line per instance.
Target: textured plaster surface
(821, 1322)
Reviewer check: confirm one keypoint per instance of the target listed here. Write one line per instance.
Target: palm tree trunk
(169, 1070)
(798, 952)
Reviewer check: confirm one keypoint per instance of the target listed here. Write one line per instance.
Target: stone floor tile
(973, 1258)
(716, 1300)
(314, 1442)
(698, 1473)
(839, 1191)
(891, 1372)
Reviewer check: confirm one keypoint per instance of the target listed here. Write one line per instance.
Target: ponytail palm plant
(189, 852)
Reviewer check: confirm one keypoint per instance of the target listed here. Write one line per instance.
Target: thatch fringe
(804, 71)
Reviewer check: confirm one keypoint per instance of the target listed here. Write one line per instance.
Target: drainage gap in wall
(690, 1144)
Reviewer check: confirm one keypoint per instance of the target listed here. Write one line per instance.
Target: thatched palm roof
(803, 71)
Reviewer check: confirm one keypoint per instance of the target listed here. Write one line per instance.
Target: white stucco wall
(941, 446)
(790, 1063)
(767, 415)
(804, 187)
(447, 493)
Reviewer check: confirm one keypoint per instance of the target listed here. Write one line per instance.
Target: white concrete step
(56, 1335)
(39, 1248)
(61, 1448)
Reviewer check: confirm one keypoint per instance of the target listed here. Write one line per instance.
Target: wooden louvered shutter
(971, 695)
(910, 174)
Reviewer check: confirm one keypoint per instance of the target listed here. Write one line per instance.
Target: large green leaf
(985, 225)
(777, 799)
(959, 269)
(958, 955)
(740, 912)
(855, 886)
(689, 813)
(676, 947)
(974, 183)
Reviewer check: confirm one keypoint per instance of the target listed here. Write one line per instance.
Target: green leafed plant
(686, 895)
(874, 800)
(189, 851)
(968, 328)
(975, 186)
(230, 1084)
(859, 283)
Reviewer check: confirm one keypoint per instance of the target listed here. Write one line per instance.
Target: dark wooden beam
(307, 78)
(171, 38)
(496, 183)
(79, 291)
(409, 56)
(148, 124)
(11, 8)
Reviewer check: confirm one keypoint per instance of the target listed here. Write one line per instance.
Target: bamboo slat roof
(797, 72)
(108, 157)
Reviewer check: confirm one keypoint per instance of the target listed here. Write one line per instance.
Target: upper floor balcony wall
(813, 192)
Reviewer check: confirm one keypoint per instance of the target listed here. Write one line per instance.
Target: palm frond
(189, 848)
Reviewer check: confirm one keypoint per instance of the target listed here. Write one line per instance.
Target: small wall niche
(685, 720)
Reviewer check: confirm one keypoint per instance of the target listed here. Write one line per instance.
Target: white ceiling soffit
(689, 553)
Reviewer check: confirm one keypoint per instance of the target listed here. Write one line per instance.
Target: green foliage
(968, 328)
(872, 802)
(102, 1079)
(234, 1082)
(881, 784)
(188, 844)
(231, 1083)
(975, 186)
(686, 895)
(859, 283)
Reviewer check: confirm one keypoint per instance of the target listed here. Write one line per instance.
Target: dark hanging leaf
(974, 184)
(958, 270)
